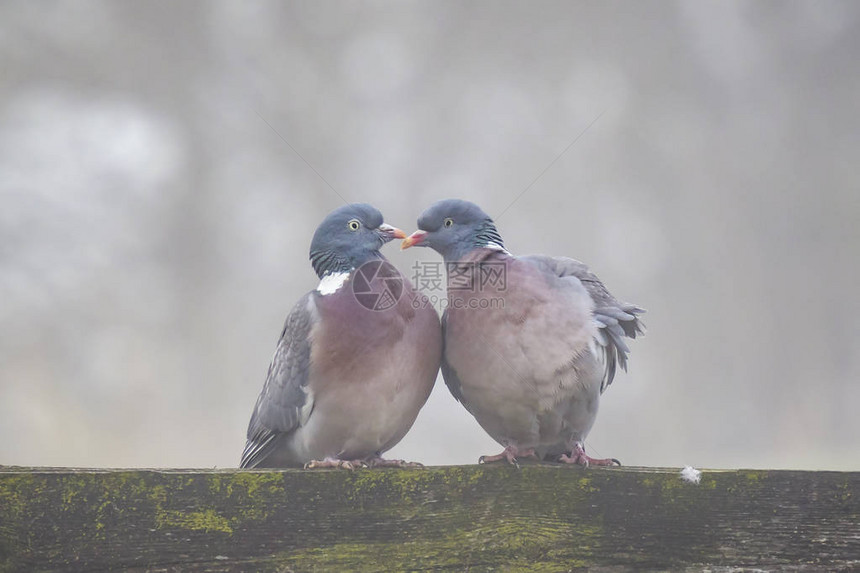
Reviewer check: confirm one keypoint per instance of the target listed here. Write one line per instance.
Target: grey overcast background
(156, 212)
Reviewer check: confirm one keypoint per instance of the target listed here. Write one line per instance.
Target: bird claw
(510, 454)
(497, 458)
(578, 456)
(334, 464)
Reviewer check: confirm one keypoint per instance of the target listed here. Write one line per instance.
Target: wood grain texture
(538, 518)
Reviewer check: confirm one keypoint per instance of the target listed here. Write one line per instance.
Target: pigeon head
(348, 237)
(453, 228)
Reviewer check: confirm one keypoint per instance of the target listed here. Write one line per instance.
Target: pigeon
(356, 360)
(530, 342)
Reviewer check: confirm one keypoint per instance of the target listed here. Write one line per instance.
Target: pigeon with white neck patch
(356, 360)
(530, 342)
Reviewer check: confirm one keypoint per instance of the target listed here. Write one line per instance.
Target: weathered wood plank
(545, 518)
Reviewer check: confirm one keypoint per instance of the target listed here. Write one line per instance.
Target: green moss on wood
(206, 520)
(540, 518)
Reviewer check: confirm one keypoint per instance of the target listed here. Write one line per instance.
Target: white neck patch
(331, 283)
(496, 247)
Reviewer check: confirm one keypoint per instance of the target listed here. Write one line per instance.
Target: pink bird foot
(332, 463)
(510, 455)
(578, 456)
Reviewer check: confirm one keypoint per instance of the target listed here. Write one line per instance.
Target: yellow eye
(448, 222)
(353, 225)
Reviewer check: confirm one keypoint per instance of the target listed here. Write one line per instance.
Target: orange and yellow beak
(392, 232)
(415, 238)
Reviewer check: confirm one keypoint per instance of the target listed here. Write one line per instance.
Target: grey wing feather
(616, 320)
(280, 403)
(449, 375)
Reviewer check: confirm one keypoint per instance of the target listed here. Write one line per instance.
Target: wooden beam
(540, 517)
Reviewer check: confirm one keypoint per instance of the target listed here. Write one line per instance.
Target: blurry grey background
(155, 222)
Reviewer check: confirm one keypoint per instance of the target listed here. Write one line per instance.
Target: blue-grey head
(453, 228)
(348, 237)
